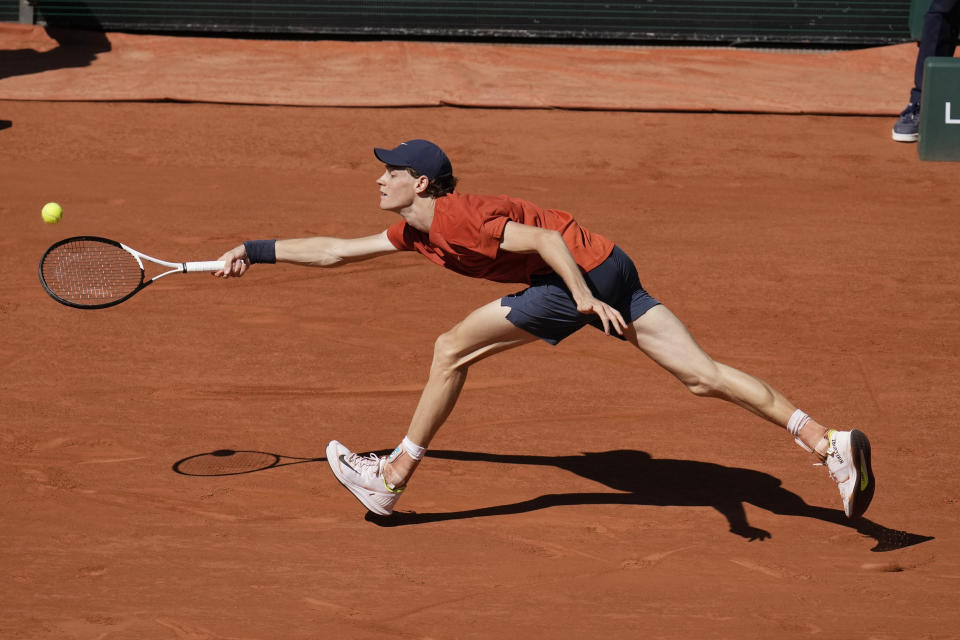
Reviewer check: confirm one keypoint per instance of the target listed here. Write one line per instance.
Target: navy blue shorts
(547, 310)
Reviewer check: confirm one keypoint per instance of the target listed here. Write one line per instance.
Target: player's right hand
(236, 261)
(609, 316)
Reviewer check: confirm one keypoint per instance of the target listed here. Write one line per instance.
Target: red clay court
(577, 491)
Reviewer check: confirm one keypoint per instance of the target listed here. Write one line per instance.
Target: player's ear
(421, 184)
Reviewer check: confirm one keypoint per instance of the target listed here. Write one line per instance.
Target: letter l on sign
(948, 119)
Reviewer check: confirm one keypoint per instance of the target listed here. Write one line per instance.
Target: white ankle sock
(407, 447)
(415, 451)
(794, 424)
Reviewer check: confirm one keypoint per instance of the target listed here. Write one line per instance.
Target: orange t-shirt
(466, 232)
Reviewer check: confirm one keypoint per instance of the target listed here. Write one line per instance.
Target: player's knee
(445, 353)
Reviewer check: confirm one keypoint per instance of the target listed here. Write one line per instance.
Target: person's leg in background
(941, 27)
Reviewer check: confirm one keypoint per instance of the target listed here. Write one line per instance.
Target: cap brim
(388, 156)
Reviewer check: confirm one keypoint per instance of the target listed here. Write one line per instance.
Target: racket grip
(213, 265)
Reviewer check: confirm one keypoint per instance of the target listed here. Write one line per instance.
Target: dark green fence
(852, 22)
(9, 11)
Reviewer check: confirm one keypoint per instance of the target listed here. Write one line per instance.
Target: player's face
(398, 189)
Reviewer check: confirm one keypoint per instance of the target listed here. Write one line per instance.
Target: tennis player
(574, 278)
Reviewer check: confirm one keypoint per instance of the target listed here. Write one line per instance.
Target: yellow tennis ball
(51, 213)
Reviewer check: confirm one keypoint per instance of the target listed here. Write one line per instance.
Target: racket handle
(213, 265)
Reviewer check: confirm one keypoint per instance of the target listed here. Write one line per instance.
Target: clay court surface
(576, 492)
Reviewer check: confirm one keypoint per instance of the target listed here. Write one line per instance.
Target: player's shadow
(644, 480)
(79, 42)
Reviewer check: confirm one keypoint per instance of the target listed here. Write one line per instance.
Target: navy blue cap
(422, 156)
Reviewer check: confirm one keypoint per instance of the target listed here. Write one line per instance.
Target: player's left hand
(609, 316)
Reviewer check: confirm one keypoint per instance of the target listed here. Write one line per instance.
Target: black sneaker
(907, 128)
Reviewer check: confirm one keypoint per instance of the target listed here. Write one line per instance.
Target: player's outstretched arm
(319, 251)
(331, 252)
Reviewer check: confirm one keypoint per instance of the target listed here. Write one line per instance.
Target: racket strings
(90, 272)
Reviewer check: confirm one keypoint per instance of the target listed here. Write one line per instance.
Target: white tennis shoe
(363, 476)
(848, 461)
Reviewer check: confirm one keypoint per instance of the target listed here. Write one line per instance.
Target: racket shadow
(231, 462)
(238, 462)
(637, 478)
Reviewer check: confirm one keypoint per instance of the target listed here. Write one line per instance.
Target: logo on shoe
(834, 451)
(344, 462)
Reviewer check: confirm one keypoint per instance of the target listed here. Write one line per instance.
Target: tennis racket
(88, 272)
